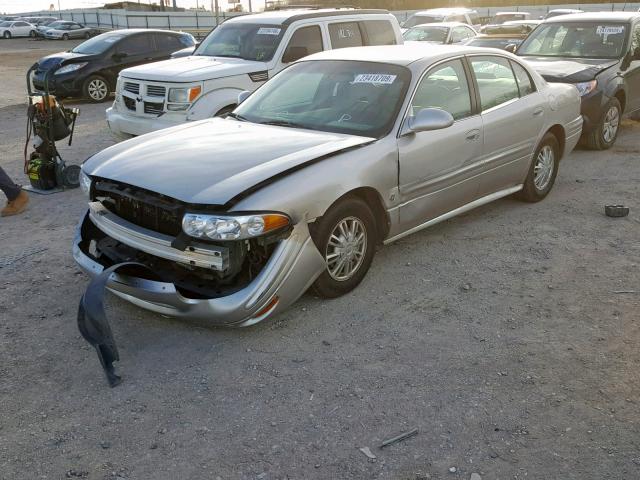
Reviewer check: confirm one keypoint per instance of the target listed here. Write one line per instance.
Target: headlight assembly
(184, 95)
(70, 68)
(585, 88)
(85, 183)
(228, 227)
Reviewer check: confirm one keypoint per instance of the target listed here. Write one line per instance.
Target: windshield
(5, 24)
(576, 40)
(420, 19)
(427, 34)
(242, 40)
(356, 98)
(98, 44)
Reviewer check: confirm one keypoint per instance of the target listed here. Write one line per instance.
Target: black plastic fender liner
(93, 323)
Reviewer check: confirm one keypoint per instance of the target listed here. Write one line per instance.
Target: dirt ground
(508, 337)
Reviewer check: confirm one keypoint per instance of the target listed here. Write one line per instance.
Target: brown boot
(16, 206)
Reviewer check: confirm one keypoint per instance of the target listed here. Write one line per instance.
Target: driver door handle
(473, 135)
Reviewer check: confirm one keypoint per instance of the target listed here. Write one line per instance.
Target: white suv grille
(143, 99)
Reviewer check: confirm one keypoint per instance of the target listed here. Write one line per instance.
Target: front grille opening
(130, 103)
(153, 108)
(132, 87)
(156, 91)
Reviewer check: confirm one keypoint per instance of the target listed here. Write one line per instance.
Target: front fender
(212, 102)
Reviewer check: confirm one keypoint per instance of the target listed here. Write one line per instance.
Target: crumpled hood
(53, 61)
(192, 69)
(212, 161)
(569, 70)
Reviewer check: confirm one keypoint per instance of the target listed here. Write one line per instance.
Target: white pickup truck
(239, 55)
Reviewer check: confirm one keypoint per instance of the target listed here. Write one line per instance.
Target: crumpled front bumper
(123, 124)
(292, 268)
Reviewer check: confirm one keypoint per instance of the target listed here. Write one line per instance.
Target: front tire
(65, 37)
(6, 35)
(346, 238)
(87, 35)
(543, 171)
(605, 134)
(32, 34)
(95, 89)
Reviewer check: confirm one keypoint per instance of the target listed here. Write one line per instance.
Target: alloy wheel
(346, 248)
(97, 89)
(610, 124)
(543, 170)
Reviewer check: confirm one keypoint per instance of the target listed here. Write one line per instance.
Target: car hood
(570, 70)
(212, 161)
(193, 69)
(57, 59)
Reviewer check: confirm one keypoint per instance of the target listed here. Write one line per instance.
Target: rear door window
(168, 43)
(136, 45)
(496, 82)
(345, 34)
(379, 32)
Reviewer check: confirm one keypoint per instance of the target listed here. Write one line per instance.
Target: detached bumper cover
(292, 268)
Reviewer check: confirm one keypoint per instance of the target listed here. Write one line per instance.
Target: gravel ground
(503, 336)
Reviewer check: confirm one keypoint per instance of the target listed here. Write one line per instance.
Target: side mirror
(511, 48)
(294, 53)
(429, 119)
(242, 96)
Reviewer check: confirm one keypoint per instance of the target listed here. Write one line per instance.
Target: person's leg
(10, 189)
(17, 199)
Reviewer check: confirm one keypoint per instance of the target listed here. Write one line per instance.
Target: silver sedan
(234, 219)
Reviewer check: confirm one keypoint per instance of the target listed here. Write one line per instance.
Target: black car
(600, 54)
(91, 69)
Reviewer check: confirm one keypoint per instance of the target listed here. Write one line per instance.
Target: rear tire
(95, 89)
(605, 134)
(346, 238)
(543, 171)
(87, 35)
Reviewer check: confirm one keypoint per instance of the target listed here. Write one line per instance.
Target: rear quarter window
(379, 32)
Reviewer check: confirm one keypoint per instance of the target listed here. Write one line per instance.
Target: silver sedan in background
(66, 30)
(234, 219)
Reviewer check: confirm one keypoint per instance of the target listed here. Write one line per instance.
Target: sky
(17, 6)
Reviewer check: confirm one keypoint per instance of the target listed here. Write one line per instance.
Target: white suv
(239, 55)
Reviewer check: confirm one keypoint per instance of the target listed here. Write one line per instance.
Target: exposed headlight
(85, 183)
(223, 227)
(586, 87)
(71, 67)
(184, 95)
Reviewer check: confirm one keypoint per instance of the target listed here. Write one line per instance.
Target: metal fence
(199, 23)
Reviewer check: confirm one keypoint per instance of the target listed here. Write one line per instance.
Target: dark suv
(600, 54)
(91, 69)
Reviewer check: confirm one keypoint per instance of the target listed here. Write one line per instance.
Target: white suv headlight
(227, 227)
(184, 95)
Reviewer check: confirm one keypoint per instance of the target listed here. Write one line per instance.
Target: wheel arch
(372, 198)
(621, 96)
(557, 131)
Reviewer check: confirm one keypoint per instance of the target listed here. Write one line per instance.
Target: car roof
(565, 10)
(443, 11)
(132, 31)
(442, 24)
(595, 17)
(286, 17)
(402, 55)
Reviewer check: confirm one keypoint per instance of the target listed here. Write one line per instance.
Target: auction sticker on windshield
(377, 78)
(268, 31)
(610, 30)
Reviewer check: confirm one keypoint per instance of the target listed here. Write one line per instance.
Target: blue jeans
(10, 189)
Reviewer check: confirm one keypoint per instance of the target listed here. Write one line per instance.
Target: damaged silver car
(231, 220)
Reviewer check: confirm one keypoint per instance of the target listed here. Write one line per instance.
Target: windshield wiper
(237, 117)
(283, 123)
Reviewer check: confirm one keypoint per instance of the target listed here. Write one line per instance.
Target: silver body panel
(419, 178)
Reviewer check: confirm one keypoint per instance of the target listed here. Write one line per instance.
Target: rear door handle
(473, 135)
(538, 111)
